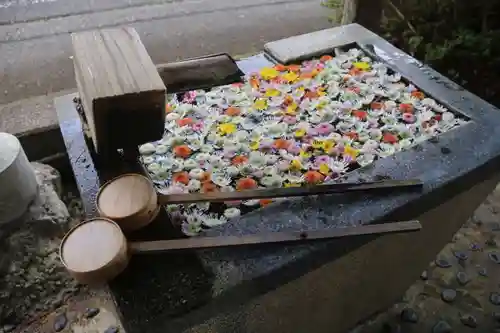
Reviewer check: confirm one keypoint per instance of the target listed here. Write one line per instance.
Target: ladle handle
(380, 186)
(196, 243)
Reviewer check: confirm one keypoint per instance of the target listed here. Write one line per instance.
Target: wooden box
(122, 93)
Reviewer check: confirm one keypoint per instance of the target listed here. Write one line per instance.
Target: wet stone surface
(460, 290)
(32, 279)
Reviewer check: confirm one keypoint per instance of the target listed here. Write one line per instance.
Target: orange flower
(325, 58)
(184, 122)
(182, 151)
(288, 100)
(311, 94)
(354, 71)
(406, 108)
(309, 75)
(168, 108)
(418, 94)
(240, 159)
(181, 177)
(377, 105)
(205, 177)
(265, 202)
(245, 184)
(314, 177)
(232, 111)
(352, 135)
(254, 82)
(208, 187)
(280, 67)
(294, 68)
(281, 144)
(360, 114)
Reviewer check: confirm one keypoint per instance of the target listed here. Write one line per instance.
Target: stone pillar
(18, 184)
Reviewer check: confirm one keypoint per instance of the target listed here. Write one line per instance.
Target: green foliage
(336, 6)
(459, 38)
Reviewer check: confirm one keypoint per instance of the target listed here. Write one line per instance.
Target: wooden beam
(121, 91)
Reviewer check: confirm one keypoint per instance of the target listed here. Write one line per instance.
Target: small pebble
(91, 312)
(482, 271)
(443, 263)
(461, 255)
(8, 328)
(409, 315)
(495, 298)
(475, 247)
(469, 320)
(424, 276)
(448, 295)
(60, 322)
(495, 257)
(112, 329)
(441, 327)
(462, 278)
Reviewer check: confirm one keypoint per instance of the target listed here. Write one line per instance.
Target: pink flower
(409, 118)
(324, 128)
(197, 126)
(189, 97)
(312, 132)
(283, 165)
(290, 119)
(293, 149)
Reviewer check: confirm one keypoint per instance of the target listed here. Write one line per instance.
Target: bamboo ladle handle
(369, 187)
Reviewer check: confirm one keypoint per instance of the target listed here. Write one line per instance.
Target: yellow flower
(351, 152)
(260, 104)
(301, 88)
(296, 165)
(254, 145)
(227, 128)
(321, 105)
(364, 66)
(292, 109)
(317, 144)
(269, 73)
(292, 184)
(300, 133)
(290, 77)
(271, 92)
(304, 154)
(321, 93)
(324, 168)
(328, 144)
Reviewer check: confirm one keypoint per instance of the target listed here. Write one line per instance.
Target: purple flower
(293, 148)
(283, 165)
(197, 126)
(312, 132)
(324, 128)
(323, 159)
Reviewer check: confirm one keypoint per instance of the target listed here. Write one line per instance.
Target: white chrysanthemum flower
(213, 220)
(197, 173)
(221, 179)
(365, 159)
(190, 164)
(148, 160)
(338, 166)
(272, 181)
(147, 149)
(154, 167)
(232, 213)
(386, 149)
(194, 185)
(172, 116)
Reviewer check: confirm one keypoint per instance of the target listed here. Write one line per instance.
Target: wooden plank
(121, 91)
(371, 187)
(196, 243)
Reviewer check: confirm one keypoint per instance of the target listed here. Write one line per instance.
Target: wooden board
(196, 243)
(121, 91)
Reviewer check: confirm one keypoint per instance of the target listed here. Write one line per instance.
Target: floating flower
(181, 177)
(314, 177)
(213, 220)
(364, 66)
(265, 202)
(296, 165)
(290, 77)
(232, 111)
(260, 104)
(184, 122)
(232, 213)
(300, 133)
(290, 119)
(351, 152)
(406, 108)
(240, 159)
(225, 129)
(324, 128)
(191, 229)
(269, 73)
(246, 184)
(194, 185)
(281, 144)
(182, 151)
(272, 92)
(208, 187)
(147, 148)
(409, 118)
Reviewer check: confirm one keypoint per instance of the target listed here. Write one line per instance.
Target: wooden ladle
(96, 250)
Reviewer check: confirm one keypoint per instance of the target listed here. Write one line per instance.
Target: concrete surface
(36, 48)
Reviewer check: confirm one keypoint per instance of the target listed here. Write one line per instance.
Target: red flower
(389, 138)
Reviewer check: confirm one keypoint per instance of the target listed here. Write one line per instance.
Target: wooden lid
(124, 196)
(91, 245)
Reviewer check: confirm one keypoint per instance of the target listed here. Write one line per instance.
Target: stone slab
(296, 48)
